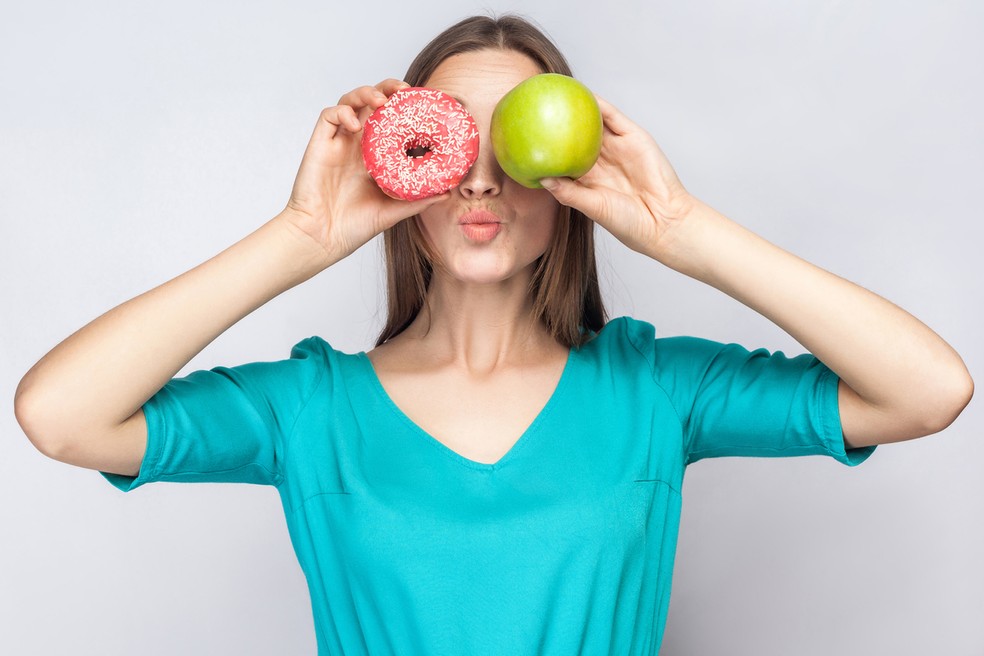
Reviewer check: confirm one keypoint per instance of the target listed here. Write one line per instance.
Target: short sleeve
(227, 424)
(736, 402)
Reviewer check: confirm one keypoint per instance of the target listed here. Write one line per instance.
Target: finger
(365, 112)
(379, 96)
(327, 124)
(570, 193)
(363, 97)
(401, 209)
(347, 118)
(376, 97)
(614, 120)
(391, 85)
(365, 100)
(334, 118)
(415, 206)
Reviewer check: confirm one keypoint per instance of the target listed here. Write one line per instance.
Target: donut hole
(417, 148)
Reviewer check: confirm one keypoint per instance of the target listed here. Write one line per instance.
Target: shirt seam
(831, 427)
(811, 449)
(669, 402)
(155, 474)
(659, 386)
(164, 477)
(300, 506)
(660, 480)
(688, 439)
(293, 427)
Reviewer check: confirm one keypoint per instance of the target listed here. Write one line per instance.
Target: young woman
(502, 472)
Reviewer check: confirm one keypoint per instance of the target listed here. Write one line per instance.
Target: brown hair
(564, 286)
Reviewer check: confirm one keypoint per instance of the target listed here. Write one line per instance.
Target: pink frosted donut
(421, 143)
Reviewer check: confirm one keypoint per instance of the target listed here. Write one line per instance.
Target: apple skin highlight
(548, 126)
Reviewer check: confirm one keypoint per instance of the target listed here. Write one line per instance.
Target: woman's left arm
(899, 379)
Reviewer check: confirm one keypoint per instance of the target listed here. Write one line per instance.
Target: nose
(485, 177)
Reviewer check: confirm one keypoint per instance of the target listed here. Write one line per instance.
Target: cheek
(430, 225)
(542, 231)
(428, 241)
(424, 227)
(544, 234)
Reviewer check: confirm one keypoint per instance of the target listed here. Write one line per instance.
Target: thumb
(570, 193)
(416, 206)
(402, 209)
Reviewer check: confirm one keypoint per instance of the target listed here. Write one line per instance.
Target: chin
(484, 271)
(481, 277)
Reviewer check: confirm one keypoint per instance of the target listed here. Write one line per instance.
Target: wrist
(299, 235)
(684, 220)
(711, 248)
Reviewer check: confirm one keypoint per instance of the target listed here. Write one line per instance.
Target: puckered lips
(480, 225)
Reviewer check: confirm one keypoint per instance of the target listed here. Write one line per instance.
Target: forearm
(894, 363)
(99, 376)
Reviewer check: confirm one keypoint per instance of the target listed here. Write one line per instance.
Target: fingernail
(549, 183)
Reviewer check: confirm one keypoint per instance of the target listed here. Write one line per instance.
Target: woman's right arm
(81, 403)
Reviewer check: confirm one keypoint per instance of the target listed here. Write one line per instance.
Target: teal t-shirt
(564, 546)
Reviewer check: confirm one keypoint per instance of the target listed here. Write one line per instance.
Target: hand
(334, 200)
(632, 190)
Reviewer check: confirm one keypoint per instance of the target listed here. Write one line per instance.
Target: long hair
(564, 287)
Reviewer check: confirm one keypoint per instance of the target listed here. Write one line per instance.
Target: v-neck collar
(555, 398)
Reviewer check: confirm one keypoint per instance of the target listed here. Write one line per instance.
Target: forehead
(482, 75)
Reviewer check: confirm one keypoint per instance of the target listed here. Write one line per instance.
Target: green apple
(548, 126)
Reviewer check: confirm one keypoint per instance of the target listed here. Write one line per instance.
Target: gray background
(138, 139)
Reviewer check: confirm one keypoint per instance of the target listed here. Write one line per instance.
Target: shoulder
(622, 349)
(312, 348)
(629, 338)
(673, 367)
(623, 334)
(289, 379)
(317, 359)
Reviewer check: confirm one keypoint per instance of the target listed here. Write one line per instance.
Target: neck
(480, 327)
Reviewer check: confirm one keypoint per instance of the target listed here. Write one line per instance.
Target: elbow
(28, 414)
(945, 403)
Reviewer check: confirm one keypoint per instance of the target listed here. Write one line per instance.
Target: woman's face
(525, 218)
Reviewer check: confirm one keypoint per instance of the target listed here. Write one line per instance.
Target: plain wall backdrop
(138, 139)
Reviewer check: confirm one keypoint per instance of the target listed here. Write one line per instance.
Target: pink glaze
(432, 125)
